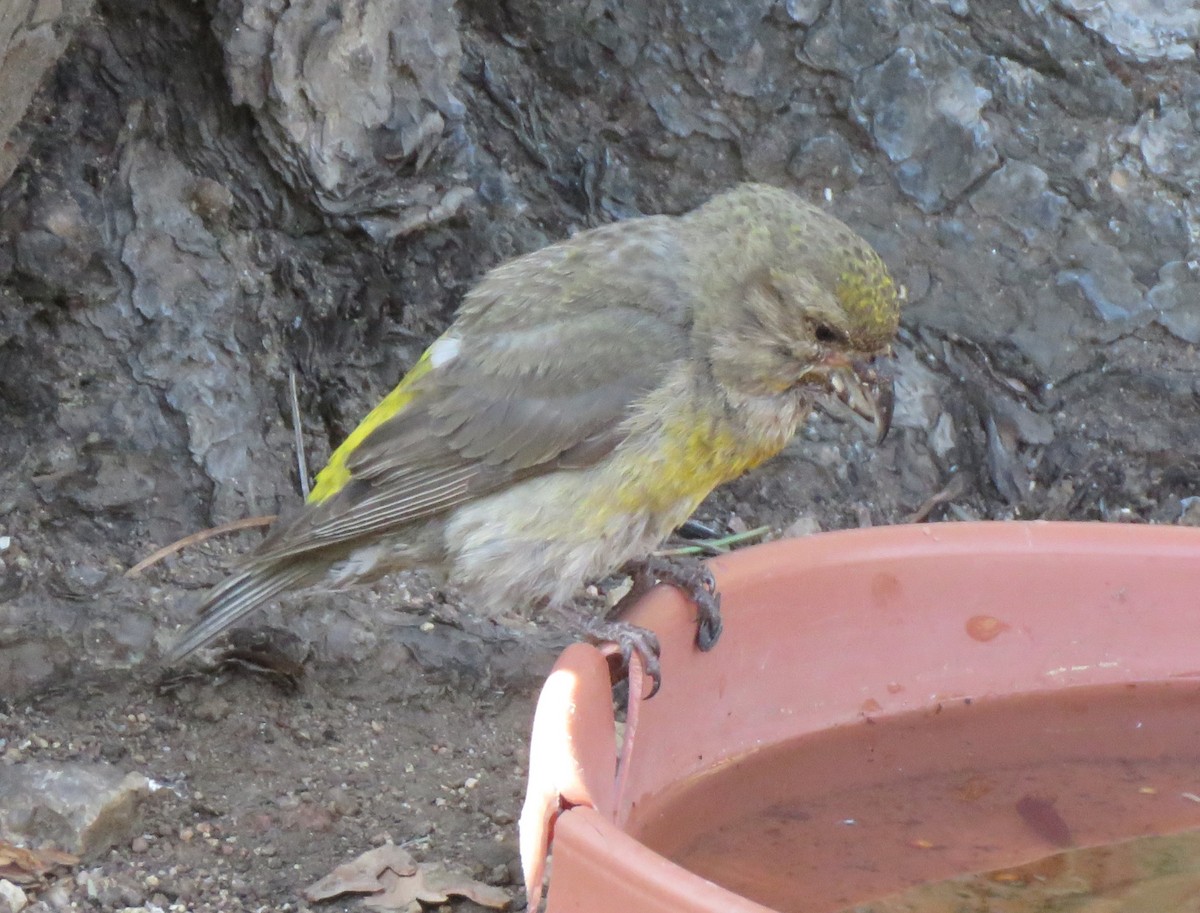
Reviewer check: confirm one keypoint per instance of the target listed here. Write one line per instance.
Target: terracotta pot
(827, 632)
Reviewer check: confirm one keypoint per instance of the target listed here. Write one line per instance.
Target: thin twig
(297, 433)
(195, 539)
(953, 489)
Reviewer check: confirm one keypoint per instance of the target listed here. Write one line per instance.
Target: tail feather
(232, 600)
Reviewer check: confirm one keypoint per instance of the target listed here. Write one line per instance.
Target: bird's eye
(824, 333)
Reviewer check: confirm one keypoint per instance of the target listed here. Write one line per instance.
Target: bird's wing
(516, 399)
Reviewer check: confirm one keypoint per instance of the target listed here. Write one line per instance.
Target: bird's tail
(233, 599)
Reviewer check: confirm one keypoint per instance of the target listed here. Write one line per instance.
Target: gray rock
(924, 110)
(33, 35)
(201, 368)
(82, 808)
(853, 34)
(829, 160)
(919, 395)
(1167, 141)
(681, 109)
(726, 27)
(12, 898)
(959, 8)
(1018, 195)
(1102, 275)
(1143, 29)
(24, 661)
(804, 12)
(355, 104)
(1176, 300)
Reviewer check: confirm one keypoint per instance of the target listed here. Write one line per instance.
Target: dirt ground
(258, 793)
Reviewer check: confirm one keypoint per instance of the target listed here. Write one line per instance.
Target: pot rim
(1113, 618)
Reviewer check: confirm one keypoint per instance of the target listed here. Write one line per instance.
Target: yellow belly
(669, 475)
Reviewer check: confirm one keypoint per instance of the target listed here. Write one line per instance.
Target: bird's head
(802, 307)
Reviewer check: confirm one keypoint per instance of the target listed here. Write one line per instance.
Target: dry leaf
(432, 884)
(26, 867)
(398, 885)
(362, 876)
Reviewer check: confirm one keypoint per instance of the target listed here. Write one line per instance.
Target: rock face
(357, 111)
(33, 35)
(199, 200)
(82, 808)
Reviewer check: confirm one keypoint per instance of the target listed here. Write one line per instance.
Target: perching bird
(585, 400)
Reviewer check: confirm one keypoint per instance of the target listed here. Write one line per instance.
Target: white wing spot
(443, 351)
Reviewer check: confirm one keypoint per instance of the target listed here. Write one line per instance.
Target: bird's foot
(689, 575)
(629, 639)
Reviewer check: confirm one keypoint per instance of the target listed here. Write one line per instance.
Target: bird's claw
(629, 639)
(695, 581)
(708, 609)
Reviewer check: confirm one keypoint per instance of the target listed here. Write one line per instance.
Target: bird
(583, 402)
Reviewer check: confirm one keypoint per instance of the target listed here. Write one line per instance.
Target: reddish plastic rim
(826, 630)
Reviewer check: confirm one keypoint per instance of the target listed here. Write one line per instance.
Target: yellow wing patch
(335, 475)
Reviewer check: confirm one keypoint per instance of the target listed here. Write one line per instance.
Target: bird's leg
(687, 574)
(629, 639)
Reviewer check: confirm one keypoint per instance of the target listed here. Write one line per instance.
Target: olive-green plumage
(585, 400)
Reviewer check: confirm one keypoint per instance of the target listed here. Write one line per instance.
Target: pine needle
(195, 539)
(715, 546)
